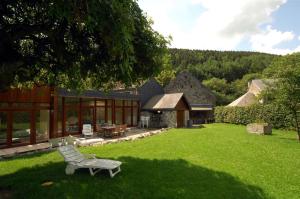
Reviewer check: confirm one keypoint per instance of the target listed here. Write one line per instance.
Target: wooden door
(180, 119)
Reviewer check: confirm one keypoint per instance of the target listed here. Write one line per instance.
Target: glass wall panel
(21, 128)
(109, 115)
(87, 102)
(59, 117)
(22, 105)
(87, 116)
(127, 103)
(128, 116)
(109, 102)
(3, 105)
(135, 103)
(71, 101)
(72, 121)
(3, 129)
(119, 103)
(42, 125)
(100, 115)
(100, 103)
(119, 114)
(134, 116)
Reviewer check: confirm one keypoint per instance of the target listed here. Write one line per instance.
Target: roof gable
(164, 102)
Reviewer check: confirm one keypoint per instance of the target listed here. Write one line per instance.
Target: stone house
(168, 110)
(255, 87)
(201, 100)
(183, 99)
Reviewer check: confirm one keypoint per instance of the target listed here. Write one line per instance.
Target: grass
(218, 161)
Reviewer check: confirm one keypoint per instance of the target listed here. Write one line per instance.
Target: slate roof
(148, 90)
(163, 102)
(98, 94)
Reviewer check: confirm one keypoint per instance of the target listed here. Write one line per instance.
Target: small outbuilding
(171, 110)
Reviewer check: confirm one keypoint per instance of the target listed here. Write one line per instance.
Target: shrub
(275, 115)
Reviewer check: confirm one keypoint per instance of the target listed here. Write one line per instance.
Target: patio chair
(87, 130)
(77, 160)
(123, 128)
(116, 132)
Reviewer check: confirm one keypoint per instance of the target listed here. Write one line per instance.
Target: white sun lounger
(77, 160)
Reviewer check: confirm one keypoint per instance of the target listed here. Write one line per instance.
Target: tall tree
(66, 42)
(286, 91)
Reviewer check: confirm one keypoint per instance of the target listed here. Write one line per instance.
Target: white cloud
(222, 25)
(266, 41)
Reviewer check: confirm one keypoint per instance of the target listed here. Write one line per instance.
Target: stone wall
(194, 91)
(169, 119)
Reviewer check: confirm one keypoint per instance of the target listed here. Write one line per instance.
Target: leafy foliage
(228, 65)
(286, 91)
(66, 43)
(167, 73)
(225, 73)
(276, 115)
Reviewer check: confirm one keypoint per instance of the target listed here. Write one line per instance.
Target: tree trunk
(297, 124)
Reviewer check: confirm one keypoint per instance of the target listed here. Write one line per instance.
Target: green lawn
(218, 161)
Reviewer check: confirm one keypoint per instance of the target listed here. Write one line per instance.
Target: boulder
(260, 128)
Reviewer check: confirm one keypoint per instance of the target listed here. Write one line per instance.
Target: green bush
(275, 115)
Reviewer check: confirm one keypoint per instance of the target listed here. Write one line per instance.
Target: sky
(270, 26)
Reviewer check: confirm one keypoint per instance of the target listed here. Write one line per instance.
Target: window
(135, 103)
(3, 105)
(119, 116)
(59, 116)
(109, 115)
(108, 102)
(100, 103)
(21, 128)
(72, 123)
(88, 102)
(134, 116)
(127, 103)
(42, 125)
(128, 116)
(22, 105)
(100, 115)
(119, 103)
(87, 116)
(70, 101)
(72, 115)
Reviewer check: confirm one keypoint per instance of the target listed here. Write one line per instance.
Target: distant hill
(229, 65)
(226, 73)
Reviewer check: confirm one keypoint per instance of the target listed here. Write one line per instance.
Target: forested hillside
(224, 72)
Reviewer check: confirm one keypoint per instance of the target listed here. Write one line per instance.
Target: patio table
(108, 130)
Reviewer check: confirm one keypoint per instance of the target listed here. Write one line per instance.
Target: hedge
(275, 115)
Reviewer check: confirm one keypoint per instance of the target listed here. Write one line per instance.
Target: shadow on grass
(140, 178)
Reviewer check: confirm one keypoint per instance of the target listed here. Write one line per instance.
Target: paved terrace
(131, 134)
